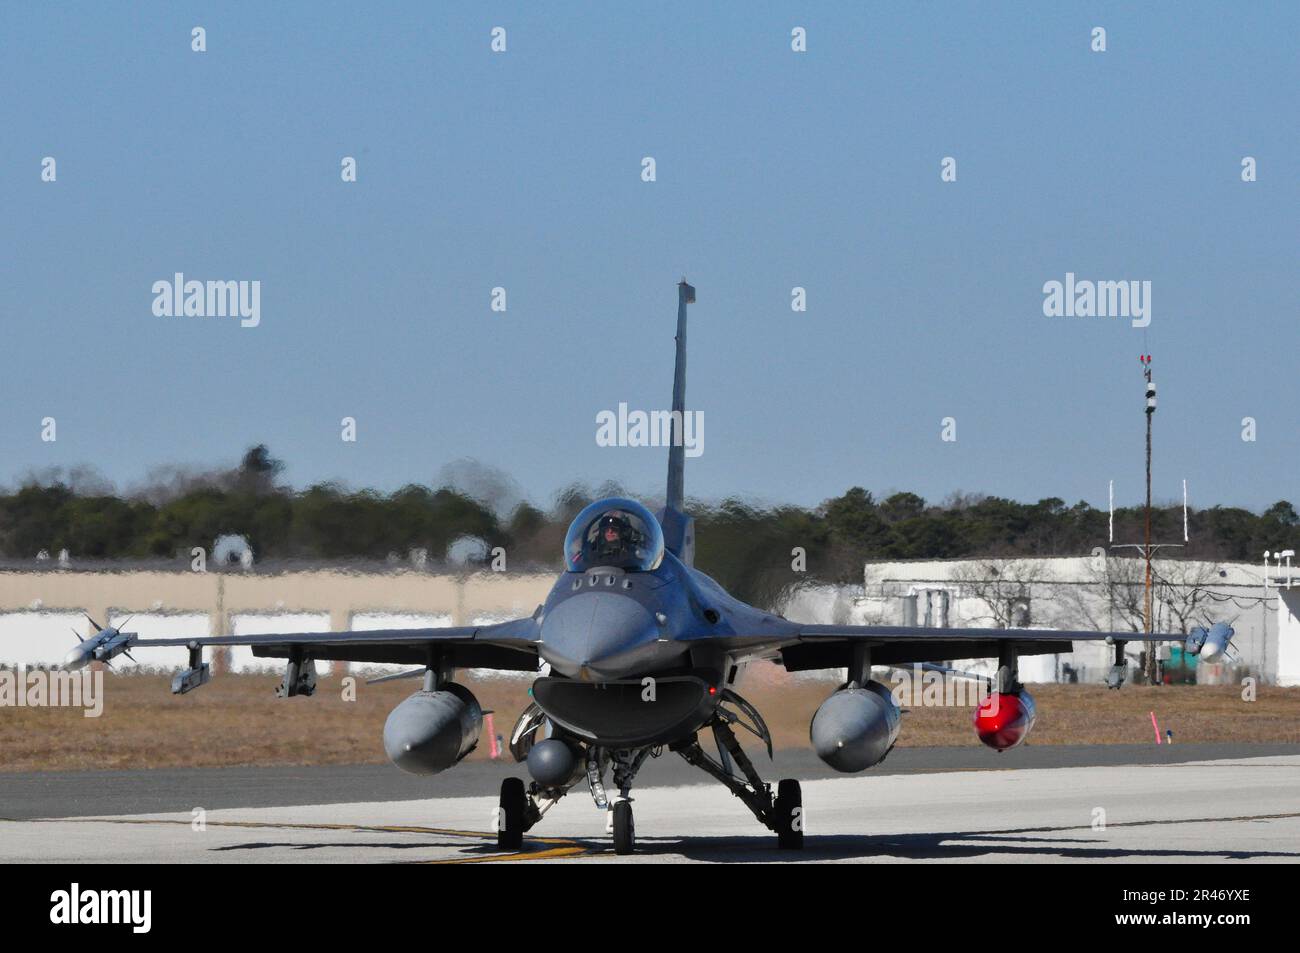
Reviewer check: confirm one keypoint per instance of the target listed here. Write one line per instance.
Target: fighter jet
(642, 654)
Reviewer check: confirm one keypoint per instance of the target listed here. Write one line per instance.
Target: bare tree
(1113, 596)
(1108, 598)
(1003, 586)
(1181, 591)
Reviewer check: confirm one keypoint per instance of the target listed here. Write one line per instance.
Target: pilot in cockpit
(614, 538)
(621, 536)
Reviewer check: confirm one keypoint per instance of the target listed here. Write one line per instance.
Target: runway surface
(1141, 804)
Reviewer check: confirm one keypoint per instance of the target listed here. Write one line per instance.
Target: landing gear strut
(782, 814)
(520, 807)
(626, 764)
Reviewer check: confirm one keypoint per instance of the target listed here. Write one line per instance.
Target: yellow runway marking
(573, 850)
(555, 846)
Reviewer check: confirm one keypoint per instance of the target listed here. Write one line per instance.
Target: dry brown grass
(237, 720)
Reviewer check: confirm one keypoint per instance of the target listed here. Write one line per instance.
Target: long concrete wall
(38, 608)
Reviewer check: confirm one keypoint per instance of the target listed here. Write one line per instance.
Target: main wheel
(510, 814)
(624, 828)
(789, 815)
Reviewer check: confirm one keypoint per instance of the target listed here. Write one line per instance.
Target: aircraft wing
(510, 646)
(831, 646)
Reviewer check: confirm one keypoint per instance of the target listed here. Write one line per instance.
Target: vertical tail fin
(679, 532)
(677, 450)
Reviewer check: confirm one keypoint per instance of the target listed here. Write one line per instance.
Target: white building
(1102, 592)
(1288, 634)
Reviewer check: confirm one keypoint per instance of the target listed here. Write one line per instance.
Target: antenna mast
(1151, 412)
(1146, 547)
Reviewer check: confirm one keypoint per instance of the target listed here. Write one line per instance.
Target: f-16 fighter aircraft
(644, 652)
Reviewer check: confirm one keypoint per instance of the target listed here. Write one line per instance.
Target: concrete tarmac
(1147, 810)
(79, 793)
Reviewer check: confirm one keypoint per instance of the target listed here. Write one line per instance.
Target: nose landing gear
(626, 762)
(624, 828)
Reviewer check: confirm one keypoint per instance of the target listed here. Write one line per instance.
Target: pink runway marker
(1156, 727)
(493, 751)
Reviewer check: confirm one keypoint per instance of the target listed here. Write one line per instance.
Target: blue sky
(774, 170)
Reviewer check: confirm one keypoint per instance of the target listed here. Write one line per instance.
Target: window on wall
(927, 607)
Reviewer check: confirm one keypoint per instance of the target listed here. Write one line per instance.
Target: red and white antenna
(1111, 534)
(1185, 536)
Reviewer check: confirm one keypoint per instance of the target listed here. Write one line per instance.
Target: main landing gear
(519, 808)
(512, 808)
(788, 813)
(782, 814)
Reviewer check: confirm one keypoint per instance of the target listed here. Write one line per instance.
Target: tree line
(752, 549)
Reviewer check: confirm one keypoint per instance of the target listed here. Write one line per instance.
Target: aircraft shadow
(1070, 843)
(302, 845)
(946, 845)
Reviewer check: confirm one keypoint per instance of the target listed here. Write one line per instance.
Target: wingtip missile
(104, 646)
(1217, 641)
(1211, 645)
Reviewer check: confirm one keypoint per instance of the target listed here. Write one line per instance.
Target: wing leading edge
(831, 646)
(509, 646)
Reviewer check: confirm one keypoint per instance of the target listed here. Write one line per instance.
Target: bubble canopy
(614, 532)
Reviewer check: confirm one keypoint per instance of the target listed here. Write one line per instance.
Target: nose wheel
(624, 828)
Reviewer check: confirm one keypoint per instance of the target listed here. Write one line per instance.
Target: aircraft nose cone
(595, 635)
